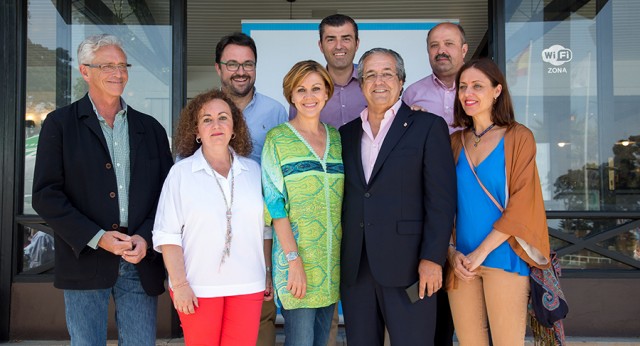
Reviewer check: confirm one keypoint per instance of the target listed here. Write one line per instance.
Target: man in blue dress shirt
(236, 60)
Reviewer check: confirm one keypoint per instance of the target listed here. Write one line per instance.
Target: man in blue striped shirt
(100, 166)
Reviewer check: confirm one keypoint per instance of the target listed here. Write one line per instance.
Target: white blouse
(192, 214)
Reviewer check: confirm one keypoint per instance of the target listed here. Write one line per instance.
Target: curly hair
(185, 138)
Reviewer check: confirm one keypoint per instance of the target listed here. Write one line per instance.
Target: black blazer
(405, 213)
(75, 192)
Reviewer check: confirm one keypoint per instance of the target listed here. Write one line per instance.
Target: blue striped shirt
(117, 139)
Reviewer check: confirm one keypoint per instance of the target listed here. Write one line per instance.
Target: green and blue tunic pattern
(307, 189)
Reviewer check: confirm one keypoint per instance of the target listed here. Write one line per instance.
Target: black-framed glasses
(384, 76)
(110, 68)
(233, 66)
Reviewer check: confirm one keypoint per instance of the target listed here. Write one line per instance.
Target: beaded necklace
(477, 138)
(227, 243)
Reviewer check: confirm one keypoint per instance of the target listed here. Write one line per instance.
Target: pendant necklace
(227, 242)
(476, 140)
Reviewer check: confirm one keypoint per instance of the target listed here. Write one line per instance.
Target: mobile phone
(413, 292)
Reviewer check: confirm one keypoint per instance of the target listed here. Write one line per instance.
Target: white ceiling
(209, 20)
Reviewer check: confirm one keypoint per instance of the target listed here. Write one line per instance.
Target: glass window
(53, 79)
(573, 77)
(38, 249)
(573, 73)
(617, 245)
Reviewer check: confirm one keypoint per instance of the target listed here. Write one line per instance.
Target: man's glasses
(384, 76)
(233, 66)
(110, 68)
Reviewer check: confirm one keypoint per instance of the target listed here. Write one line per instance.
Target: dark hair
(237, 38)
(402, 74)
(337, 20)
(300, 71)
(185, 137)
(463, 36)
(502, 114)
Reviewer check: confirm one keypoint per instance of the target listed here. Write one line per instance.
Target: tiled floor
(571, 341)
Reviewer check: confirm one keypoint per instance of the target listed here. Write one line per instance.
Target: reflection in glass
(625, 243)
(585, 259)
(573, 77)
(38, 250)
(622, 237)
(557, 243)
(584, 228)
(40, 82)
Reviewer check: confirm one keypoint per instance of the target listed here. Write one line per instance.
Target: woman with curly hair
(209, 226)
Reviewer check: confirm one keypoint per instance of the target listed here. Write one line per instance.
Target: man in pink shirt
(397, 212)
(339, 43)
(435, 93)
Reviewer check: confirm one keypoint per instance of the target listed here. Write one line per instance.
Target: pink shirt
(370, 145)
(431, 94)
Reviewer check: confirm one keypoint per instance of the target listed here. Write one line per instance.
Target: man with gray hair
(100, 166)
(397, 211)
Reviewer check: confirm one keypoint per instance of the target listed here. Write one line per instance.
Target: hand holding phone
(413, 292)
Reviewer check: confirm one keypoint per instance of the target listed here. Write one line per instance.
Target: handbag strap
(476, 175)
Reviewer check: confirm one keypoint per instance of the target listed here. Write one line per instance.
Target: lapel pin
(405, 124)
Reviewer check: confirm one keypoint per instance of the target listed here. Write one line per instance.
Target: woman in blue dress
(501, 228)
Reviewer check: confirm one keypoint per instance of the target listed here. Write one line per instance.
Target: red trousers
(223, 321)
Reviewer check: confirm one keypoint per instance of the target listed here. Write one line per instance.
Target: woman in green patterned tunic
(303, 181)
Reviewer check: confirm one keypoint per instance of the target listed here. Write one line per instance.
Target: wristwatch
(291, 256)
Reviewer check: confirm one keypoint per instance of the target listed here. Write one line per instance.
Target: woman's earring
(233, 136)
(198, 140)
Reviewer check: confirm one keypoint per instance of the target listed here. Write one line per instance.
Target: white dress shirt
(192, 214)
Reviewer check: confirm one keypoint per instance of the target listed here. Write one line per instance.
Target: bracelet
(268, 269)
(186, 283)
(452, 245)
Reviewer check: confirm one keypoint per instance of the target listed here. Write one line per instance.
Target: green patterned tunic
(299, 185)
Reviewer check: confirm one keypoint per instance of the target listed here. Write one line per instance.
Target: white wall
(282, 43)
